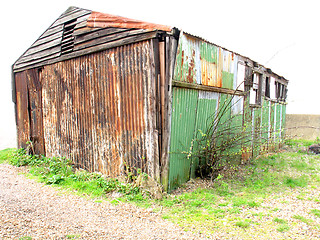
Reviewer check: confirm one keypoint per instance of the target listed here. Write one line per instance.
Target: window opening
(255, 90)
(267, 92)
(272, 88)
(241, 76)
(281, 91)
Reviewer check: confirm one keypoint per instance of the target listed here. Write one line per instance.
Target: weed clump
(60, 171)
(243, 224)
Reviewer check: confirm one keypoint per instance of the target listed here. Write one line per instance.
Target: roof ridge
(98, 19)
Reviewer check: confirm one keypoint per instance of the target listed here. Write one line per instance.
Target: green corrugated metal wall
(230, 122)
(184, 106)
(202, 63)
(265, 125)
(191, 113)
(206, 110)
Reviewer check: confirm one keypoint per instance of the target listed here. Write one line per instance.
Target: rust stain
(189, 76)
(182, 61)
(191, 67)
(209, 73)
(102, 20)
(98, 109)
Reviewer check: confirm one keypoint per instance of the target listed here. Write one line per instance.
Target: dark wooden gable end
(72, 35)
(94, 88)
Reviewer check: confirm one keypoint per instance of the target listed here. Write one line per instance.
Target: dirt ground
(32, 210)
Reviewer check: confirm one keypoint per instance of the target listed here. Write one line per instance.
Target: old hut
(115, 94)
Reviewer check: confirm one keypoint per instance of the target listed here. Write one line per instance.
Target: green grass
(231, 201)
(303, 219)
(246, 188)
(300, 142)
(283, 228)
(296, 181)
(315, 212)
(59, 171)
(279, 220)
(243, 224)
(6, 154)
(73, 236)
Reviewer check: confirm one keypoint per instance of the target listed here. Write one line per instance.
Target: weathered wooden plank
(13, 89)
(167, 113)
(69, 11)
(158, 114)
(98, 34)
(106, 39)
(81, 25)
(67, 40)
(51, 31)
(35, 108)
(71, 16)
(151, 81)
(84, 30)
(36, 63)
(207, 88)
(163, 88)
(81, 20)
(43, 54)
(56, 58)
(69, 25)
(118, 42)
(22, 110)
(42, 47)
(50, 38)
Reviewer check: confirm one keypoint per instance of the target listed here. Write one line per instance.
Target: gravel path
(29, 208)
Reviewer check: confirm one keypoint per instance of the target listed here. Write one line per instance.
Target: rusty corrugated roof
(103, 20)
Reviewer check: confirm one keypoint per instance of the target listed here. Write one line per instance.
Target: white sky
(286, 30)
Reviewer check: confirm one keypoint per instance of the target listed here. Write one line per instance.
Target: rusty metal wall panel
(188, 68)
(22, 113)
(203, 63)
(99, 110)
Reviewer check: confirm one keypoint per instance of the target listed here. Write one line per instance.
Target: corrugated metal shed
(115, 94)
